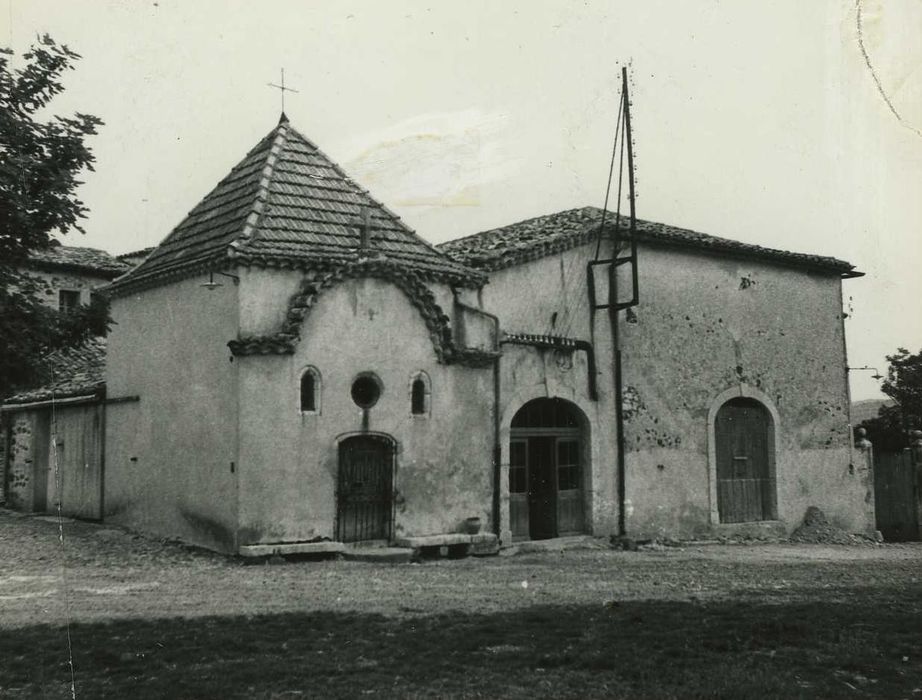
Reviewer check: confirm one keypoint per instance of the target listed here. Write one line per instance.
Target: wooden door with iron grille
(745, 479)
(365, 489)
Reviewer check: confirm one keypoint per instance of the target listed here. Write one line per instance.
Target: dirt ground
(101, 573)
(54, 574)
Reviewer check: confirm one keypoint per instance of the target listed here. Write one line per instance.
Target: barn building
(308, 370)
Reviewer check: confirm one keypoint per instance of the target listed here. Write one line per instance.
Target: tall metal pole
(613, 304)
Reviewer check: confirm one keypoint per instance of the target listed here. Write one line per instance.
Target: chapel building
(293, 365)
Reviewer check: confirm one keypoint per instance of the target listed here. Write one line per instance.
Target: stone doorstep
(404, 549)
(266, 550)
(555, 544)
(451, 544)
(445, 540)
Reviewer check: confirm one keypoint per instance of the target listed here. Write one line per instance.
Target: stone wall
(50, 282)
(23, 452)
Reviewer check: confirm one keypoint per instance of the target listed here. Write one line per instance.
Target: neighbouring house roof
(69, 372)
(286, 204)
(545, 235)
(136, 256)
(78, 259)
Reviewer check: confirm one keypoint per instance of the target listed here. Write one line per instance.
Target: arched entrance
(744, 438)
(365, 488)
(546, 470)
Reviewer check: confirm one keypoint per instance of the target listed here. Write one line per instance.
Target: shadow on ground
(866, 645)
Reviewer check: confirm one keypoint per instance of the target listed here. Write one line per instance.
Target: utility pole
(614, 303)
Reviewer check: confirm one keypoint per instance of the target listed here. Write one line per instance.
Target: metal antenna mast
(614, 304)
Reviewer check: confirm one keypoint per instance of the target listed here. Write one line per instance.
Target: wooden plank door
(895, 496)
(745, 487)
(75, 478)
(365, 489)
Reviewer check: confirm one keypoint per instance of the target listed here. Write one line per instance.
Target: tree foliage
(890, 429)
(41, 160)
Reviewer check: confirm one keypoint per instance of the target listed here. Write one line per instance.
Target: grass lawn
(850, 643)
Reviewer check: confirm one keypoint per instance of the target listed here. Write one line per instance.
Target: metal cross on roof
(282, 89)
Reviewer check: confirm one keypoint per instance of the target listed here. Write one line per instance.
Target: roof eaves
(130, 283)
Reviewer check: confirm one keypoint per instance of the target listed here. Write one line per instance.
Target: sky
(787, 124)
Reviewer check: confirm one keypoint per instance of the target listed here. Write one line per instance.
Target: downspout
(497, 445)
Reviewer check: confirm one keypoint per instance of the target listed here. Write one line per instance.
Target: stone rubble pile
(816, 529)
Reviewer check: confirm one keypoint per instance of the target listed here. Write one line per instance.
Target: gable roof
(79, 259)
(286, 204)
(70, 372)
(545, 235)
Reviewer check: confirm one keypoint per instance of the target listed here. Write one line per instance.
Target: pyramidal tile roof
(286, 204)
(545, 235)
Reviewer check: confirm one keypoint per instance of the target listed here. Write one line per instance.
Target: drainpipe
(497, 446)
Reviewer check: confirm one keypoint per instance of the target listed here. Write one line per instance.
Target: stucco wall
(549, 296)
(169, 455)
(706, 326)
(289, 460)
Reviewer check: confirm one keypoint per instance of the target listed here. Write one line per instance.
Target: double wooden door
(545, 485)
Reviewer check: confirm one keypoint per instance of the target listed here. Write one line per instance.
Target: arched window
(419, 394)
(310, 391)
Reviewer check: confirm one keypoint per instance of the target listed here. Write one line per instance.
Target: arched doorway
(546, 470)
(365, 487)
(744, 438)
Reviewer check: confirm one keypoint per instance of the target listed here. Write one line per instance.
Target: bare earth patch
(154, 619)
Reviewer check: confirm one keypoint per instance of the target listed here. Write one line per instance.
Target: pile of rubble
(817, 530)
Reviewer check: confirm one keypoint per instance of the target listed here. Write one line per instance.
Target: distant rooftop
(545, 235)
(79, 259)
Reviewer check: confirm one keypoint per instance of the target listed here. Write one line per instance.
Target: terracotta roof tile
(91, 260)
(287, 204)
(544, 235)
(78, 371)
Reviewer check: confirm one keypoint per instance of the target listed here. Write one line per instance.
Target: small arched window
(310, 391)
(419, 394)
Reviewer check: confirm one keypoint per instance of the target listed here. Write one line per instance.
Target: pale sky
(756, 121)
